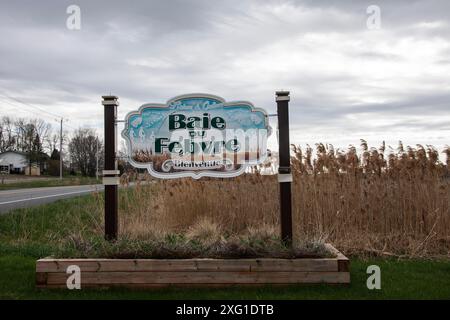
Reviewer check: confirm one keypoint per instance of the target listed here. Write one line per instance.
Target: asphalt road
(23, 198)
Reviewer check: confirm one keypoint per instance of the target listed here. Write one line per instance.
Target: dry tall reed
(376, 201)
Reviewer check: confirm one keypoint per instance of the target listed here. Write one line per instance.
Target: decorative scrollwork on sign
(167, 165)
(196, 135)
(228, 164)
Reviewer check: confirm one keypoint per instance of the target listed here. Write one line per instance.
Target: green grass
(73, 228)
(50, 182)
(29, 234)
(39, 230)
(399, 280)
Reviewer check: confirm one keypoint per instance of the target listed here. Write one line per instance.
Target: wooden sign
(196, 135)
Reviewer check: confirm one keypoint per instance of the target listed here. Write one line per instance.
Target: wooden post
(284, 169)
(110, 172)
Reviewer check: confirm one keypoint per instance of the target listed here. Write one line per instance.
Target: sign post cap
(110, 97)
(282, 93)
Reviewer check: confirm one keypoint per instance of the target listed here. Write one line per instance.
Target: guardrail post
(110, 172)
(284, 168)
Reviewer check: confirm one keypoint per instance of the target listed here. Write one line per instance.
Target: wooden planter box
(144, 273)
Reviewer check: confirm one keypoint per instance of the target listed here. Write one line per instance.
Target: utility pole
(30, 153)
(96, 159)
(60, 151)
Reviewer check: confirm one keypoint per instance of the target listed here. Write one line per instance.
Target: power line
(34, 107)
(30, 105)
(17, 109)
(61, 118)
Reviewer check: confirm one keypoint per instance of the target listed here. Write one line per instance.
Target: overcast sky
(347, 81)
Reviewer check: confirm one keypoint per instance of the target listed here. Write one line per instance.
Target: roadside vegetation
(74, 228)
(381, 201)
(48, 182)
(29, 234)
(394, 204)
(389, 208)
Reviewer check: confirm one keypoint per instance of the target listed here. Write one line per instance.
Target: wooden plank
(335, 251)
(101, 265)
(41, 278)
(344, 265)
(342, 261)
(152, 273)
(182, 285)
(138, 265)
(106, 265)
(159, 277)
(295, 265)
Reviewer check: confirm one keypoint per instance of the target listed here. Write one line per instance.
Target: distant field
(13, 182)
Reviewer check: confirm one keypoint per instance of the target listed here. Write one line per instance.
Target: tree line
(40, 142)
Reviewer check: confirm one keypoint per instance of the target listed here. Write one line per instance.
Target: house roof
(12, 151)
(23, 153)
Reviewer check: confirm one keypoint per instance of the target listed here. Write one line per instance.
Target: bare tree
(8, 139)
(83, 151)
(42, 131)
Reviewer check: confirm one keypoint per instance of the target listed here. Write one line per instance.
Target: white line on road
(43, 197)
(30, 190)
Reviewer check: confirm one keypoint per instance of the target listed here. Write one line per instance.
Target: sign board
(196, 135)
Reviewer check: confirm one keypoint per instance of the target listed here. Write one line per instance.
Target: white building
(13, 162)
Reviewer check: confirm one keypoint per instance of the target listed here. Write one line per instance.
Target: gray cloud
(341, 75)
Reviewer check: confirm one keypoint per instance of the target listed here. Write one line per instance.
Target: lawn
(28, 234)
(399, 280)
(49, 182)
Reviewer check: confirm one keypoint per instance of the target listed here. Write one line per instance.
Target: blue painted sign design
(196, 135)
